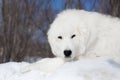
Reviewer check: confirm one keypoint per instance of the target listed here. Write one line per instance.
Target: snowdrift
(84, 69)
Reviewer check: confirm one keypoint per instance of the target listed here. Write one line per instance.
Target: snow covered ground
(85, 69)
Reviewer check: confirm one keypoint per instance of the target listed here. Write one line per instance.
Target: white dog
(79, 33)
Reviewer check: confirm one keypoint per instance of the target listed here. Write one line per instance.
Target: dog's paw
(46, 65)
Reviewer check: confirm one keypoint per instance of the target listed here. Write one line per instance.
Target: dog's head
(65, 36)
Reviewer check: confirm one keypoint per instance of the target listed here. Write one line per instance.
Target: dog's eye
(59, 37)
(73, 36)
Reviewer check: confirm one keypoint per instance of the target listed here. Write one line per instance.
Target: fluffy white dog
(79, 33)
(76, 34)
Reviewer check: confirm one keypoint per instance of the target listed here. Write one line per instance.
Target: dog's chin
(69, 59)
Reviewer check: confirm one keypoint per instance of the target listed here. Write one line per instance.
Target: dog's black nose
(67, 53)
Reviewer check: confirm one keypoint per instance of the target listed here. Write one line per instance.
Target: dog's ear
(84, 34)
(49, 30)
(51, 41)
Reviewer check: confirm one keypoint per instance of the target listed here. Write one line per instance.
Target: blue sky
(88, 4)
(57, 4)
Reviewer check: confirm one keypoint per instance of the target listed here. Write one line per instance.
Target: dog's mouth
(69, 59)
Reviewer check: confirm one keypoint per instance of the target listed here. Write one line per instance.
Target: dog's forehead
(65, 31)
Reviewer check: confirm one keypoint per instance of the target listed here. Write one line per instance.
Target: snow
(84, 69)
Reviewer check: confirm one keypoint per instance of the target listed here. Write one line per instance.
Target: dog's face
(68, 41)
(67, 36)
(65, 42)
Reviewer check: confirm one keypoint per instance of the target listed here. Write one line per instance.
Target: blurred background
(24, 24)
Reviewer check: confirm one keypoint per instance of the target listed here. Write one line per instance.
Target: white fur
(47, 65)
(96, 35)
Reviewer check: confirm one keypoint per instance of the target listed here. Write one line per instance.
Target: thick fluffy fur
(47, 65)
(95, 35)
